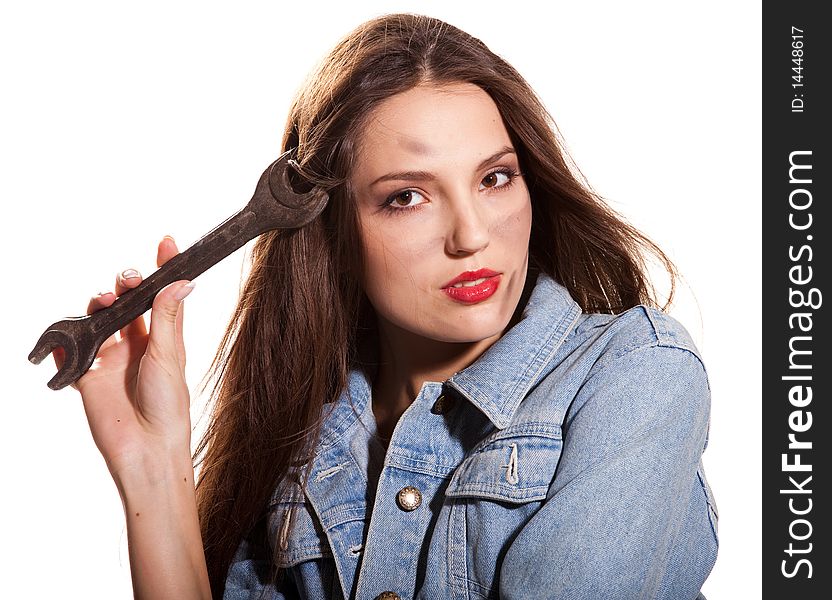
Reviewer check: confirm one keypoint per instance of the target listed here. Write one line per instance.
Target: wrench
(274, 205)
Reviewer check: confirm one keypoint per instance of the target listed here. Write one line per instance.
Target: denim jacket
(563, 463)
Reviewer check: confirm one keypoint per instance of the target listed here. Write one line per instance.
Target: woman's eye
(495, 179)
(405, 199)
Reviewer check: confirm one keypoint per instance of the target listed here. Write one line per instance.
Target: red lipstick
(471, 293)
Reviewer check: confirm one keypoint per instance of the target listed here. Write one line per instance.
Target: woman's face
(445, 215)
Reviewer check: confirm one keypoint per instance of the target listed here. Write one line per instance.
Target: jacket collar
(501, 377)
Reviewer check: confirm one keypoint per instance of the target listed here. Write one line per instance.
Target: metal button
(388, 596)
(443, 404)
(409, 498)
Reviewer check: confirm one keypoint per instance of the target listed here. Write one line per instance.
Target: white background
(121, 122)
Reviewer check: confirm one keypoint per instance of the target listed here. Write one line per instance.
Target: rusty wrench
(275, 205)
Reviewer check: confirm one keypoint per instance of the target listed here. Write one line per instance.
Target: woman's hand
(138, 408)
(135, 395)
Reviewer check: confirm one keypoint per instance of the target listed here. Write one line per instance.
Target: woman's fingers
(131, 278)
(127, 280)
(167, 250)
(59, 355)
(162, 343)
(180, 340)
(97, 302)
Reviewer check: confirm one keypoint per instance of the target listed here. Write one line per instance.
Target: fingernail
(170, 237)
(183, 292)
(129, 274)
(102, 294)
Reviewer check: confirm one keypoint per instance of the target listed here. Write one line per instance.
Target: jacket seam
(541, 429)
(551, 349)
(605, 360)
(711, 504)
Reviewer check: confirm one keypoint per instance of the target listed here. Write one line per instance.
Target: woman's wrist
(151, 472)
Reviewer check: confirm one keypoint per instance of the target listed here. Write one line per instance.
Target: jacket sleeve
(626, 516)
(249, 577)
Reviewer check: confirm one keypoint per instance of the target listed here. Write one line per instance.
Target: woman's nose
(468, 228)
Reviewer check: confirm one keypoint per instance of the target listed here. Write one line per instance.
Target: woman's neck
(407, 361)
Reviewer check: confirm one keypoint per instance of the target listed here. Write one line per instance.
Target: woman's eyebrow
(428, 176)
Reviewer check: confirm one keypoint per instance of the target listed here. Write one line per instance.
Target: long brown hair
(302, 315)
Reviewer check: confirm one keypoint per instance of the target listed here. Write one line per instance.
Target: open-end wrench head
(76, 362)
(305, 206)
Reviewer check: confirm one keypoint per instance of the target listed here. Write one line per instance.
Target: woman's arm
(626, 515)
(164, 540)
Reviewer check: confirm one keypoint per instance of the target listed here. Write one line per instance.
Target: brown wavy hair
(302, 315)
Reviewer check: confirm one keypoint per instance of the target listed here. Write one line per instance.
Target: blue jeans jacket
(563, 463)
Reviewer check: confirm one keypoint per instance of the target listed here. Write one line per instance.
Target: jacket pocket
(301, 546)
(493, 493)
(295, 532)
(516, 464)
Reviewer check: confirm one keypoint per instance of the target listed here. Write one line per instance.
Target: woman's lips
(473, 290)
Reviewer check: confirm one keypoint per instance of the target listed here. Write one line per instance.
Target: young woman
(455, 383)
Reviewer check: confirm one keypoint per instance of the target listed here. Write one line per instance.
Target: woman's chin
(469, 332)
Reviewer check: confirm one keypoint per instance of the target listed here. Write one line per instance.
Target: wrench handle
(215, 245)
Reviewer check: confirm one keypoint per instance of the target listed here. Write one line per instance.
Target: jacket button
(388, 596)
(443, 404)
(409, 498)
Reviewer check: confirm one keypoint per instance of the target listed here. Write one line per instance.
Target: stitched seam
(550, 350)
(530, 429)
(713, 516)
(341, 578)
(408, 463)
(286, 499)
(695, 355)
(336, 431)
(457, 548)
(340, 515)
(603, 364)
(292, 557)
(482, 591)
(529, 494)
(660, 338)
